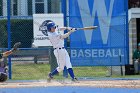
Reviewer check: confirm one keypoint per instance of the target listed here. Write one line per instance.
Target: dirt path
(111, 83)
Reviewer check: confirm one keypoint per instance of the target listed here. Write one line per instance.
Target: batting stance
(57, 41)
(3, 70)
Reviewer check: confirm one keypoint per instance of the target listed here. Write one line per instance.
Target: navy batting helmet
(50, 25)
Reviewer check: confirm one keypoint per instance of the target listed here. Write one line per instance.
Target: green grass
(30, 71)
(39, 71)
(90, 71)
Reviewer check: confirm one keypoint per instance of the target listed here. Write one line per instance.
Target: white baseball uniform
(60, 52)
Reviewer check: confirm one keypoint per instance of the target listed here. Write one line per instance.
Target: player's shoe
(75, 79)
(50, 77)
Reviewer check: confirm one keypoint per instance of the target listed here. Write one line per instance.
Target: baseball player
(57, 41)
(3, 72)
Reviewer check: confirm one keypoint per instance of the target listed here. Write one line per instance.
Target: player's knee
(3, 77)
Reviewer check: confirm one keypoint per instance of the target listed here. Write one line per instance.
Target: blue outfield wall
(106, 45)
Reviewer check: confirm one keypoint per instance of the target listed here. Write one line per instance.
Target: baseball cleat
(50, 77)
(74, 79)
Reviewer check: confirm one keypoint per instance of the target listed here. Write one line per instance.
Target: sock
(54, 72)
(70, 70)
(65, 72)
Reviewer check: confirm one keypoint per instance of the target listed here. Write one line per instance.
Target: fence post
(64, 11)
(9, 35)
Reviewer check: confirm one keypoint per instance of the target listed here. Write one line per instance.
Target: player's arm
(65, 28)
(66, 35)
(62, 28)
(7, 53)
(71, 30)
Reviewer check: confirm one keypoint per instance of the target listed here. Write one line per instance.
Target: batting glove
(73, 30)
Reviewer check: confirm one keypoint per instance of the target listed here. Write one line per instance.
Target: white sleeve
(65, 35)
(64, 28)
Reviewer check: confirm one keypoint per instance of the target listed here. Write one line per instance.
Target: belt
(59, 48)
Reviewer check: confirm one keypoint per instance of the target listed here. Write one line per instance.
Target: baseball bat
(87, 28)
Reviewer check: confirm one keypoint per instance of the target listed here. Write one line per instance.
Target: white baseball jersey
(55, 39)
(60, 52)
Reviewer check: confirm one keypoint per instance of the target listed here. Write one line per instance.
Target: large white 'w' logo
(104, 17)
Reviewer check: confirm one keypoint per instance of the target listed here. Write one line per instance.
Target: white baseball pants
(62, 58)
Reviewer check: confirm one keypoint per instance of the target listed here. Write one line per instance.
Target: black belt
(59, 48)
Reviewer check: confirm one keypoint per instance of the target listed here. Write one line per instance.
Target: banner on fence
(40, 35)
(106, 45)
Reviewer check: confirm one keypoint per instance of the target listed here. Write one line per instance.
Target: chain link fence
(30, 63)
